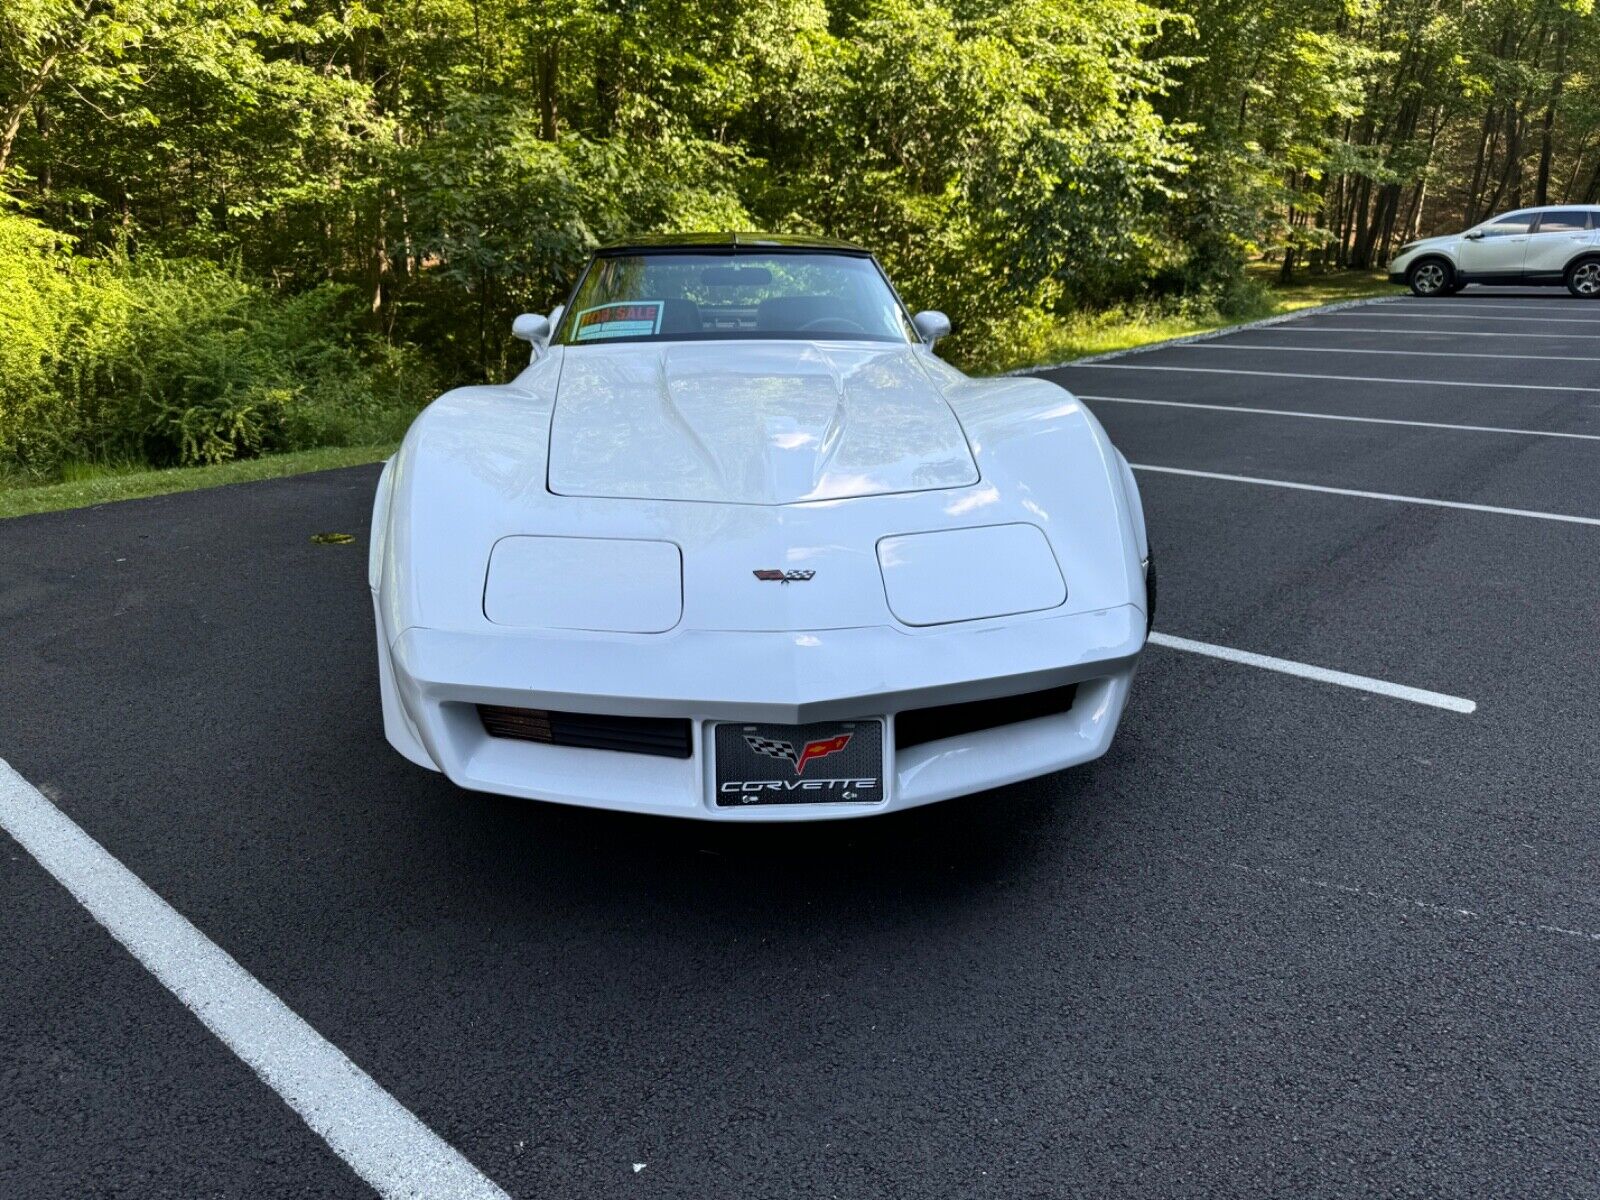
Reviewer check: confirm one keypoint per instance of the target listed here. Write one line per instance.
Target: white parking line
(1316, 416)
(1410, 353)
(1410, 333)
(1468, 306)
(1361, 683)
(1443, 316)
(1413, 382)
(1335, 491)
(372, 1131)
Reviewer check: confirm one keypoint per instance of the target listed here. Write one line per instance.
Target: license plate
(826, 762)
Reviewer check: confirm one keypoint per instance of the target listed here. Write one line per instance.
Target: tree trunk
(1513, 159)
(1592, 192)
(1287, 270)
(607, 88)
(1389, 204)
(1480, 165)
(15, 111)
(1541, 187)
(1541, 191)
(1361, 246)
(1577, 163)
(549, 63)
(378, 263)
(1413, 218)
(41, 121)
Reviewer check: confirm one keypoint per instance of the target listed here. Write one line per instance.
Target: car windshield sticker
(635, 318)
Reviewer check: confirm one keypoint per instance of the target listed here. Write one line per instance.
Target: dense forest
(232, 226)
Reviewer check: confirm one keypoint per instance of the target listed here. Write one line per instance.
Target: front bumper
(432, 681)
(1396, 276)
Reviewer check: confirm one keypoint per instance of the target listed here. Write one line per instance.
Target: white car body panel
(1548, 253)
(928, 577)
(734, 457)
(1493, 256)
(633, 586)
(775, 423)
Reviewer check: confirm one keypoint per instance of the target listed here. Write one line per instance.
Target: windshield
(662, 297)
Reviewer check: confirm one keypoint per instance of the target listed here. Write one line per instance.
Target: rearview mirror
(736, 276)
(931, 326)
(1475, 235)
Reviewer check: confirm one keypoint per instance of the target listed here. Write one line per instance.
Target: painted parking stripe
(1336, 491)
(1470, 305)
(1522, 387)
(1443, 316)
(1318, 416)
(1219, 345)
(372, 1131)
(1413, 333)
(1285, 666)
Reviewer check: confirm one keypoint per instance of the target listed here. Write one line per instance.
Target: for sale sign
(635, 318)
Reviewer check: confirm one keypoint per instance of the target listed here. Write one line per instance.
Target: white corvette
(737, 546)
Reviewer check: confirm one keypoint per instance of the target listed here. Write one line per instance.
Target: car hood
(752, 423)
(1443, 239)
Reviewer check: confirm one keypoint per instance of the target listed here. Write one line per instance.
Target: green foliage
(38, 296)
(180, 362)
(238, 217)
(506, 218)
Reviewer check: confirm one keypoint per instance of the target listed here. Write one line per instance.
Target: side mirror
(931, 325)
(532, 328)
(1475, 236)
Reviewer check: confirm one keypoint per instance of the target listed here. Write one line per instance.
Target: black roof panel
(730, 241)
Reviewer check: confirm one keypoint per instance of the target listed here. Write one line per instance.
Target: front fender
(1037, 443)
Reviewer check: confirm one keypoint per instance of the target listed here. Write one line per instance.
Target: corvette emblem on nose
(772, 576)
(811, 751)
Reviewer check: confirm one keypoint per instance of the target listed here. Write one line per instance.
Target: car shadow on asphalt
(519, 854)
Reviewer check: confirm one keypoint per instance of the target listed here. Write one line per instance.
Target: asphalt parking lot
(1291, 937)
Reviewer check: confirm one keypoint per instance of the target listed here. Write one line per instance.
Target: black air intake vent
(918, 725)
(667, 736)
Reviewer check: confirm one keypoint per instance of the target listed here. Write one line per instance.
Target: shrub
(35, 301)
(181, 362)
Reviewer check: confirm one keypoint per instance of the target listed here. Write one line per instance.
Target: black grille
(918, 725)
(666, 736)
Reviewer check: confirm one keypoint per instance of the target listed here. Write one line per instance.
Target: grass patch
(1128, 328)
(91, 485)
(1307, 291)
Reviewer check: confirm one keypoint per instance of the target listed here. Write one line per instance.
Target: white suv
(1558, 245)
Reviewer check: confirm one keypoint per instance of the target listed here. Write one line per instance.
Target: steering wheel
(836, 324)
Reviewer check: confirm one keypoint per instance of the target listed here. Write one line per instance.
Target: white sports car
(737, 546)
